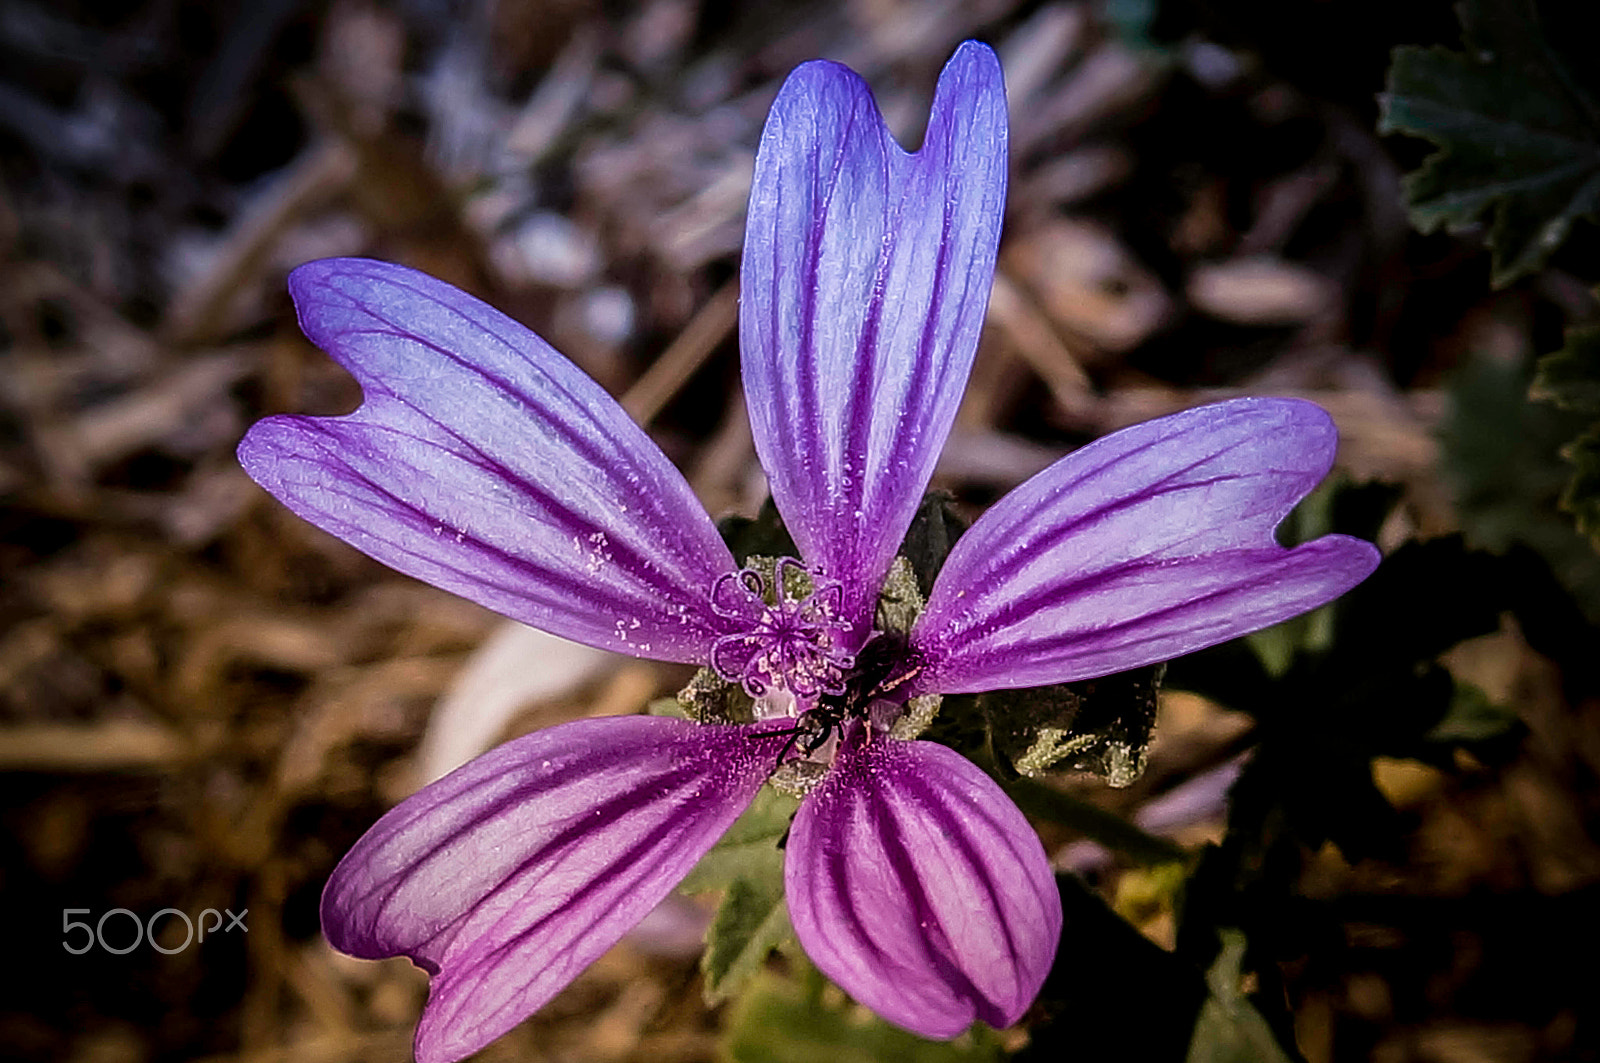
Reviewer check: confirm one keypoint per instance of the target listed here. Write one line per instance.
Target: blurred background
(204, 701)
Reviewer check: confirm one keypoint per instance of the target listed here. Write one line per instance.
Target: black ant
(883, 665)
(814, 727)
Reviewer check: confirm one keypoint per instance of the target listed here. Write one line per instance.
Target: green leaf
(790, 1021)
(1504, 455)
(1570, 378)
(1517, 128)
(1474, 718)
(1113, 994)
(1582, 495)
(752, 919)
(1230, 1029)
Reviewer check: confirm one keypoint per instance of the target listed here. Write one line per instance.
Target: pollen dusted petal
(485, 463)
(1147, 544)
(916, 885)
(508, 877)
(865, 279)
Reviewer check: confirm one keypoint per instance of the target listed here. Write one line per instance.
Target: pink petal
(865, 278)
(483, 462)
(1150, 543)
(508, 877)
(916, 885)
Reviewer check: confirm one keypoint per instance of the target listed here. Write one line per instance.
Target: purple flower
(483, 462)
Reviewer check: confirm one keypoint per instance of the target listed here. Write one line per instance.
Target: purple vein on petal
(508, 877)
(915, 884)
(866, 276)
(485, 463)
(1150, 543)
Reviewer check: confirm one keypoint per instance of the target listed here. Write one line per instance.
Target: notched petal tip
(973, 83)
(485, 463)
(336, 296)
(916, 885)
(506, 878)
(864, 283)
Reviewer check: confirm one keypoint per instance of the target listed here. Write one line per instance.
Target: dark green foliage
(1570, 378)
(1374, 689)
(764, 536)
(1229, 1028)
(1090, 820)
(934, 530)
(1111, 993)
(1516, 121)
(752, 919)
(795, 1021)
(1503, 454)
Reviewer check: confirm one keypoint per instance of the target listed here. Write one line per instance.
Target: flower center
(790, 639)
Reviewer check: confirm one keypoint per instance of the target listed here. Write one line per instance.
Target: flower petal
(508, 877)
(1144, 545)
(487, 464)
(865, 279)
(916, 885)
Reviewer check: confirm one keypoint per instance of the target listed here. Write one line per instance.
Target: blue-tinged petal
(916, 885)
(509, 876)
(485, 463)
(865, 279)
(1150, 543)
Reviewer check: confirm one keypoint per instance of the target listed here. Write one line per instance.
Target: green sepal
(916, 717)
(900, 601)
(1101, 726)
(668, 707)
(709, 698)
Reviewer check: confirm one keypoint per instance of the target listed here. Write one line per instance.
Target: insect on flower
(485, 463)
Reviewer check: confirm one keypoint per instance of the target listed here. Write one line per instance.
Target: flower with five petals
(485, 463)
